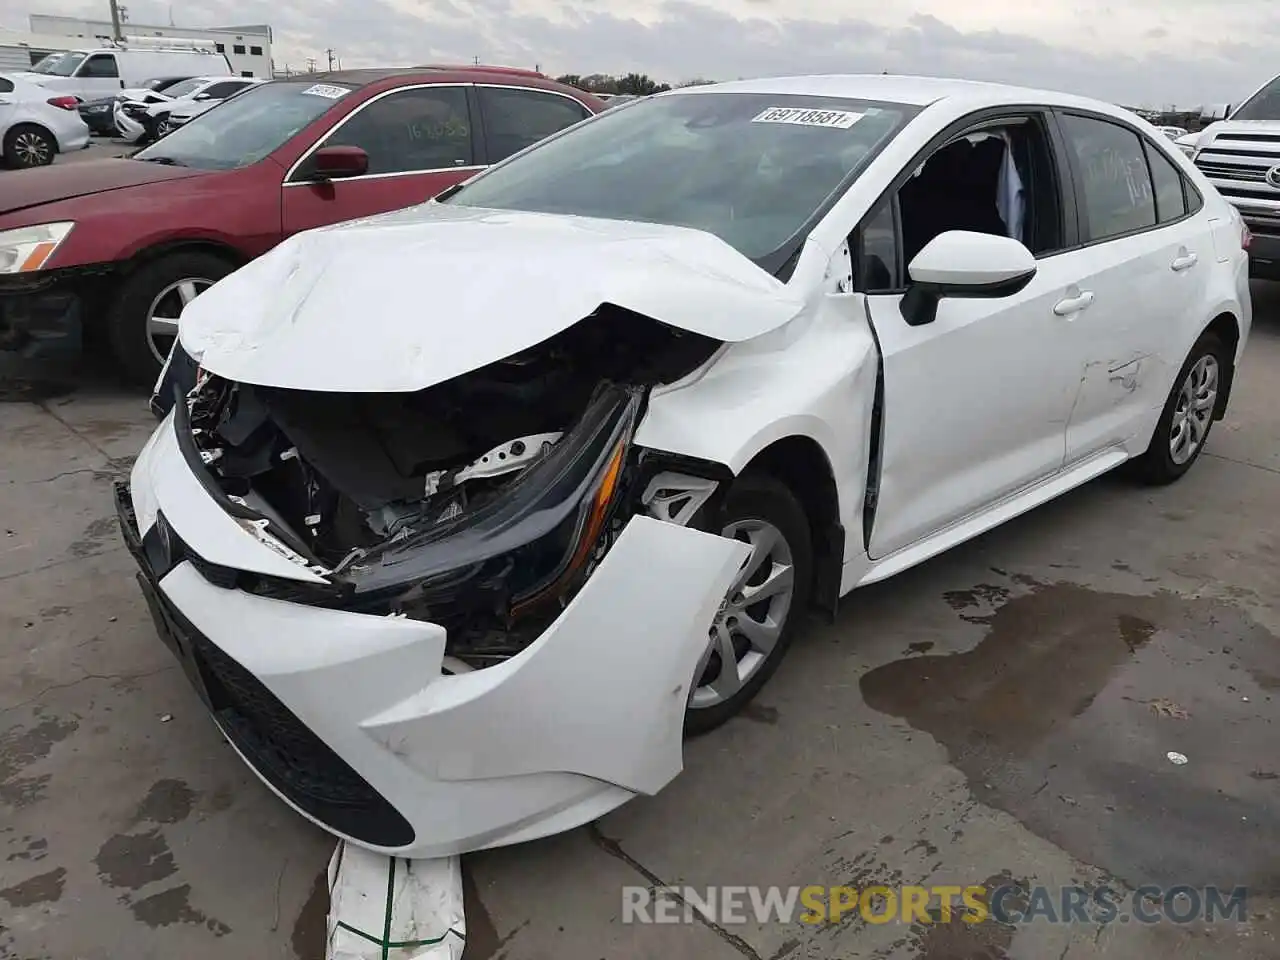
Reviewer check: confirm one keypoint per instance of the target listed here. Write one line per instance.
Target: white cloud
(1133, 51)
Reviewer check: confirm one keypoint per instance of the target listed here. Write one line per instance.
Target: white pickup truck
(1241, 155)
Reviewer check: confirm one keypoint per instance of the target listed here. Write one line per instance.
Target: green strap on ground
(385, 941)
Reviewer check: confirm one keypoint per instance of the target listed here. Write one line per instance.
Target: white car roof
(916, 91)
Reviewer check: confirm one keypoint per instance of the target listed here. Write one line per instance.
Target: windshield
(59, 64)
(183, 89)
(1263, 105)
(750, 168)
(246, 127)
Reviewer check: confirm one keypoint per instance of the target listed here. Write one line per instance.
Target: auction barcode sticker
(326, 90)
(840, 119)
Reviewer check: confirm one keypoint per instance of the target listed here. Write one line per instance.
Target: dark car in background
(108, 252)
(97, 113)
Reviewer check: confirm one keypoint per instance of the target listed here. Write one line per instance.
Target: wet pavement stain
(134, 860)
(22, 746)
(310, 929)
(483, 941)
(52, 613)
(174, 906)
(36, 848)
(168, 801)
(760, 713)
(1049, 719)
(19, 792)
(25, 390)
(94, 536)
(956, 934)
(917, 648)
(45, 888)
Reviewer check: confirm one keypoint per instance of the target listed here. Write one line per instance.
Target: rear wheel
(764, 606)
(143, 321)
(27, 145)
(1187, 417)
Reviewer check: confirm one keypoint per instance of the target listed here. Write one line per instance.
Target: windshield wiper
(167, 161)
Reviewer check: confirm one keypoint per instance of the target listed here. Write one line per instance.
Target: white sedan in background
(184, 111)
(37, 124)
(457, 556)
(144, 120)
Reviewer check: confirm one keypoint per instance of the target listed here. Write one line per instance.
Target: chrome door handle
(1073, 305)
(1185, 262)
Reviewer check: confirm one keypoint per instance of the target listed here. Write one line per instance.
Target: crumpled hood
(403, 301)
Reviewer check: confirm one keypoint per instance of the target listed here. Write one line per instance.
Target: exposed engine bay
(476, 502)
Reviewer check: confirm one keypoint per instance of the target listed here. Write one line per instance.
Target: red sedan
(110, 251)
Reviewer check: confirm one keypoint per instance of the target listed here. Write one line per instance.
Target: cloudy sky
(1139, 52)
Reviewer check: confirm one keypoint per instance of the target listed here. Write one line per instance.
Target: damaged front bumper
(364, 723)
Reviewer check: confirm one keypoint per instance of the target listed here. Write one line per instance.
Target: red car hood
(21, 189)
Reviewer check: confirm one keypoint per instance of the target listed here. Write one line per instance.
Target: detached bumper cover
(352, 720)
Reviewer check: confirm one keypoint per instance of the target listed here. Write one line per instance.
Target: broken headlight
(496, 576)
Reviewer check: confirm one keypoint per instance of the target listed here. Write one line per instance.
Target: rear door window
(100, 65)
(1115, 185)
(518, 117)
(1171, 202)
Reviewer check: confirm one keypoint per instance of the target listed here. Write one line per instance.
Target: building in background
(20, 51)
(248, 48)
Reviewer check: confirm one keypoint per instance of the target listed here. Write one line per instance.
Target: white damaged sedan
(461, 517)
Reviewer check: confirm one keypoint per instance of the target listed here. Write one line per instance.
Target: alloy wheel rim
(32, 149)
(1193, 413)
(162, 318)
(751, 616)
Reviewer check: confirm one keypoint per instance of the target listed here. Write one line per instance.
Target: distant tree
(697, 82)
(572, 80)
(638, 85)
(600, 83)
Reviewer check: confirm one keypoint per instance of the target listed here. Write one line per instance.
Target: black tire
(1156, 466)
(27, 146)
(761, 497)
(128, 317)
(159, 129)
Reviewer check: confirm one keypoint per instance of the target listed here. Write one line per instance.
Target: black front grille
(271, 737)
(285, 751)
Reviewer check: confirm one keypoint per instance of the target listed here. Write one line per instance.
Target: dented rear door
(1149, 250)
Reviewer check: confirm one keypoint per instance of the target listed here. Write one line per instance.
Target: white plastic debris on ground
(389, 908)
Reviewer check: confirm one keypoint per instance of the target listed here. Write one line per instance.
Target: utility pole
(329, 53)
(115, 20)
(476, 61)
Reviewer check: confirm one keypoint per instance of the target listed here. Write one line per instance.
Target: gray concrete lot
(98, 148)
(1001, 715)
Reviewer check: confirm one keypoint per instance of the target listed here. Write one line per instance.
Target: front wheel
(765, 604)
(143, 321)
(27, 146)
(1188, 413)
